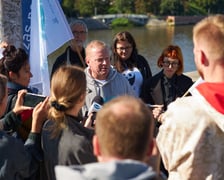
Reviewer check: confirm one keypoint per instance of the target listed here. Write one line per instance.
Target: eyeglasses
(79, 32)
(124, 48)
(173, 63)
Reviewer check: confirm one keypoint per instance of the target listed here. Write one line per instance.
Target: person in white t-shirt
(128, 62)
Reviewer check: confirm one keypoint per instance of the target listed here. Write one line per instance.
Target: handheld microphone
(97, 103)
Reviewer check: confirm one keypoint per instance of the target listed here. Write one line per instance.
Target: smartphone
(32, 100)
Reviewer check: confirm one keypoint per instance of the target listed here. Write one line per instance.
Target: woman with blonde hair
(65, 141)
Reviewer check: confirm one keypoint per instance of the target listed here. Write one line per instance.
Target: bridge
(140, 19)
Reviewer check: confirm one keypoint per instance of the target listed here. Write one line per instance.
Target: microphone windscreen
(98, 99)
(97, 103)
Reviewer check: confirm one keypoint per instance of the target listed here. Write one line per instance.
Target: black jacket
(73, 59)
(72, 146)
(153, 88)
(143, 67)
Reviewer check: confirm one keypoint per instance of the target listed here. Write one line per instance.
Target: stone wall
(10, 22)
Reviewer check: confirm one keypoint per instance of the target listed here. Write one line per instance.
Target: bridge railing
(107, 18)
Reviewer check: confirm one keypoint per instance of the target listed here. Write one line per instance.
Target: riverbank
(173, 20)
(92, 24)
(95, 24)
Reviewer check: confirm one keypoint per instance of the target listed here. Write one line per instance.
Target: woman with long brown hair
(128, 62)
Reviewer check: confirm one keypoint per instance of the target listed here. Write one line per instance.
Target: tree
(73, 8)
(103, 6)
(140, 6)
(68, 7)
(171, 7)
(193, 9)
(86, 7)
(153, 6)
(218, 7)
(123, 6)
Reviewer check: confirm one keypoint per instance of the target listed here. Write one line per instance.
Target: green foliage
(68, 7)
(85, 7)
(112, 10)
(123, 6)
(140, 6)
(121, 22)
(157, 7)
(171, 7)
(153, 6)
(203, 7)
(102, 6)
(195, 10)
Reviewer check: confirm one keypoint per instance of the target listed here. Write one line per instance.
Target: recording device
(97, 103)
(32, 100)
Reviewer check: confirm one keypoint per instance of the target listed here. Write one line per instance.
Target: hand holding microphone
(97, 103)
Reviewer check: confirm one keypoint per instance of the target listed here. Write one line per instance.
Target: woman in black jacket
(170, 83)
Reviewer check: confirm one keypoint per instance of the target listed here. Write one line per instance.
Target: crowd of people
(148, 126)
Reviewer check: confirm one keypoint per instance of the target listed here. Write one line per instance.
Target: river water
(152, 40)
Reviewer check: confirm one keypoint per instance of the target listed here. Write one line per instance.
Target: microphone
(97, 103)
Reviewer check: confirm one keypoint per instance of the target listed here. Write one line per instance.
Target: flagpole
(73, 43)
(199, 81)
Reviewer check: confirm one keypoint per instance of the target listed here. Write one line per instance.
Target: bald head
(124, 128)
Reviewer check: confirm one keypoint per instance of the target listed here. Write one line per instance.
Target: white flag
(49, 31)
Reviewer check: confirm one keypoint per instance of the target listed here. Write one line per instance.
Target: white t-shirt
(1, 51)
(135, 79)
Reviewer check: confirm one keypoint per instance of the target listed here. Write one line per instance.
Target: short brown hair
(95, 44)
(172, 51)
(124, 128)
(209, 33)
